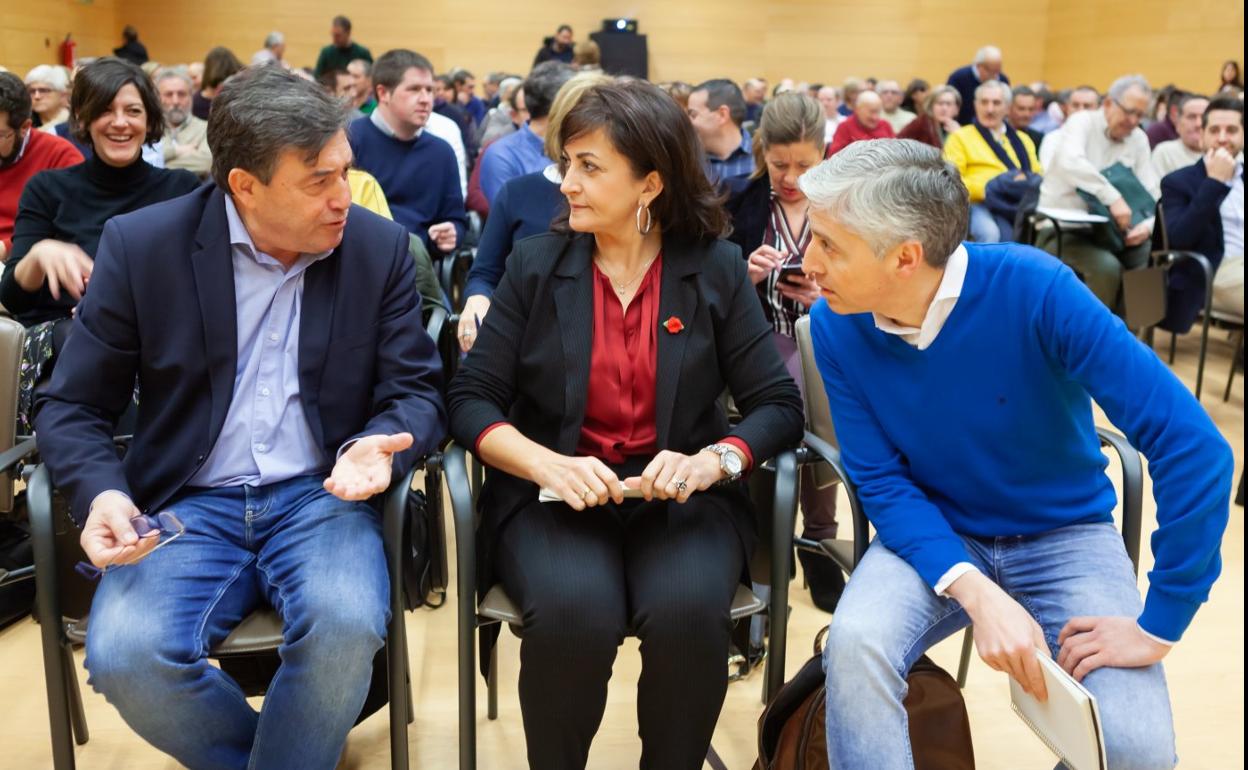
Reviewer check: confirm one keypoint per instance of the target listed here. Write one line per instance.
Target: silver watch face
(730, 462)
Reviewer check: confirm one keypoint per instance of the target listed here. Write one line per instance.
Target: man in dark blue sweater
(416, 170)
(961, 379)
(987, 66)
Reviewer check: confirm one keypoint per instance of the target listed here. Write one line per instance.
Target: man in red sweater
(866, 123)
(24, 152)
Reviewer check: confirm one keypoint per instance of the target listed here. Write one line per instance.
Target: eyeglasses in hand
(165, 525)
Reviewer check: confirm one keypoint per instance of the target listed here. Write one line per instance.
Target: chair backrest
(818, 411)
(12, 340)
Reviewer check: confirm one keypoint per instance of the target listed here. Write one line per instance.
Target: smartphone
(789, 271)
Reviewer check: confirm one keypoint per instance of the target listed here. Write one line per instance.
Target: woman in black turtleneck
(62, 213)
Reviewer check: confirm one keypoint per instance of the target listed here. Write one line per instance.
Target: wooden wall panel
(31, 30)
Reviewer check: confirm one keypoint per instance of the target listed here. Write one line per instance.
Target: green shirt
(334, 58)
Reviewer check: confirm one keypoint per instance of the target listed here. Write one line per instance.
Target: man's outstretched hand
(364, 469)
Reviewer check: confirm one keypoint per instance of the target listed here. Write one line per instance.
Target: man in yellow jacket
(985, 150)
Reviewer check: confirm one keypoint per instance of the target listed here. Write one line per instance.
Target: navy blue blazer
(1190, 203)
(161, 306)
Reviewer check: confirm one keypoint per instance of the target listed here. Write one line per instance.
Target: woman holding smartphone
(769, 224)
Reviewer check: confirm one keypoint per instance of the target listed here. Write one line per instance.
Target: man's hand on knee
(1088, 643)
(1006, 635)
(108, 537)
(363, 470)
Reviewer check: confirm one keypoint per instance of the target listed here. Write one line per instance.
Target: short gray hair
(995, 85)
(1126, 83)
(56, 77)
(986, 53)
(273, 38)
(263, 111)
(164, 73)
(889, 191)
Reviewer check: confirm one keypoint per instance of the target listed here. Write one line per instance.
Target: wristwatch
(729, 460)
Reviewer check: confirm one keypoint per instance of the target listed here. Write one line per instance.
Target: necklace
(622, 288)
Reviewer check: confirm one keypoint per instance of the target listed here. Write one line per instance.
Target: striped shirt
(780, 310)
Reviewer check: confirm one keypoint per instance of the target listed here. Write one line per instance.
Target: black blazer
(161, 306)
(530, 364)
(1191, 208)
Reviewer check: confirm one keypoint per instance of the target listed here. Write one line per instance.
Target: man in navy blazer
(284, 377)
(1203, 207)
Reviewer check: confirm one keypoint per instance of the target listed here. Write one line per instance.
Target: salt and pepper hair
(274, 38)
(173, 72)
(987, 53)
(1007, 95)
(1125, 83)
(889, 191)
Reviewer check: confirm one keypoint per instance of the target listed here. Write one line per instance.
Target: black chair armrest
(1132, 491)
(825, 452)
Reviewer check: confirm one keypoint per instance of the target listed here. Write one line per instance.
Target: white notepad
(1069, 722)
(547, 496)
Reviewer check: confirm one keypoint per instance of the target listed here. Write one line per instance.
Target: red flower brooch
(673, 325)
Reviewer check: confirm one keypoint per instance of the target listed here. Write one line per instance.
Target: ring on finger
(587, 494)
(681, 485)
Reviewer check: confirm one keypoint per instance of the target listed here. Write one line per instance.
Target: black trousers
(583, 581)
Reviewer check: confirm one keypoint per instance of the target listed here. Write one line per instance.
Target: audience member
(342, 50)
(24, 152)
(1166, 128)
(1049, 115)
(754, 92)
(717, 109)
(937, 122)
(520, 153)
(1090, 142)
(449, 131)
(1187, 149)
(446, 103)
(644, 413)
(849, 95)
(524, 206)
(864, 123)
(1231, 77)
(48, 86)
(311, 412)
(588, 56)
(1203, 205)
(185, 140)
(680, 90)
(1081, 99)
(830, 99)
(273, 51)
(465, 94)
(361, 71)
(996, 162)
(770, 224)
(196, 70)
(416, 169)
(915, 96)
(341, 85)
(131, 50)
(558, 47)
(506, 117)
(219, 65)
(1017, 538)
(1024, 104)
(986, 66)
(894, 114)
(491, 87)
(62, 213)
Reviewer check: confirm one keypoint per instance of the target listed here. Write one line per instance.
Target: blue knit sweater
(988, 432)
(419, 177)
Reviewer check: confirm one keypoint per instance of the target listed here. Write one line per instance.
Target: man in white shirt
(1090, 142)
(830, 100)
(273, 51)
(1184, 151)
(891, 95)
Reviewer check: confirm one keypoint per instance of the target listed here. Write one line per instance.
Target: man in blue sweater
(961, 380)
(416, 170)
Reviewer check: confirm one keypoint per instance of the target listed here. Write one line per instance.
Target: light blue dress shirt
(266, 437)
(514, 155)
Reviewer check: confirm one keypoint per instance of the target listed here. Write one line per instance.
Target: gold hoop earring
(649, 219)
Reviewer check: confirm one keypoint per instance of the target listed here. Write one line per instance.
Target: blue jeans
(984, 227)
(889, 616)
(316, 559)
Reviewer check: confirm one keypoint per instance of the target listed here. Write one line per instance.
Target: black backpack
(424, 553)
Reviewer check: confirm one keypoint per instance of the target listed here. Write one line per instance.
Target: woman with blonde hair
(937, 120)
(769, 223)
(524, 206)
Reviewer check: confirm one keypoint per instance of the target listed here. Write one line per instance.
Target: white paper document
(1069, 722)
(547, 496)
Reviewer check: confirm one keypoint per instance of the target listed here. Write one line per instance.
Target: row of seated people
(597, 366)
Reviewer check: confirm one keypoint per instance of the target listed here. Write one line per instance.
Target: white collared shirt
(1232, 211)
(938, 312)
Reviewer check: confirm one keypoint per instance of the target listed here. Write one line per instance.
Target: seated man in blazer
(1203, 206)
(285, 377)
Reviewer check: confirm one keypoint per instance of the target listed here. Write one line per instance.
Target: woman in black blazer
(599, 370)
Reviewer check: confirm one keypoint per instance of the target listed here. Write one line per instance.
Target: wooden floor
(1206, 675)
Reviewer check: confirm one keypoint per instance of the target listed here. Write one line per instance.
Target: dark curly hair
(646, 126)
(95, 87)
